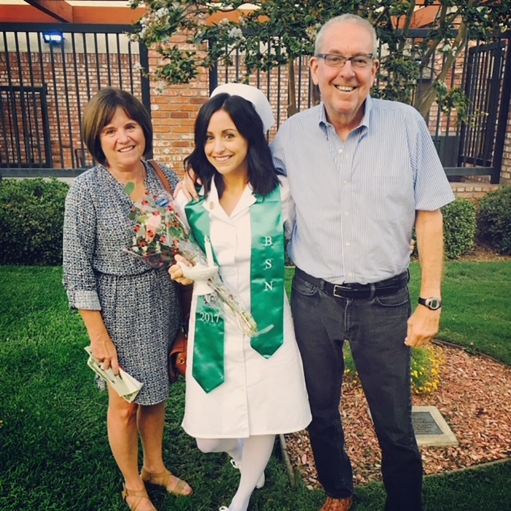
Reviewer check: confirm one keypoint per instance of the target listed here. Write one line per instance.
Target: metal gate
(25, 128)
(487, 86)
(48, 72)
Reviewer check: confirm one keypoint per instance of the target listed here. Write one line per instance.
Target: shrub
(460, 226)
(494, 224)
(31, 221)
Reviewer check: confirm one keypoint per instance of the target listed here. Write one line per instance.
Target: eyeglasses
(357, 61)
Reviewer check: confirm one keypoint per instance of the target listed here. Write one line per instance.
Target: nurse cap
(252, 94)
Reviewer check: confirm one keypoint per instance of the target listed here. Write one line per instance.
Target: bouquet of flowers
(160, 234)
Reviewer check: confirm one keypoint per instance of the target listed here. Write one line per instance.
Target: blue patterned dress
(139, 304)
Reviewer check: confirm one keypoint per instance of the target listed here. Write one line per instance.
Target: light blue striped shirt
(356, 200)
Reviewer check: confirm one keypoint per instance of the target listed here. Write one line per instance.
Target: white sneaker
(260, 483)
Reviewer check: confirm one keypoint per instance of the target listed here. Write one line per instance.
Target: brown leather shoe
(337, 504)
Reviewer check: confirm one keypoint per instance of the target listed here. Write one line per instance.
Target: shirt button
(346, 213)
(347, 243)
(340, 151)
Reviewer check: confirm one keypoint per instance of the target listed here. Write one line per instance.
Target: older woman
(130, 310)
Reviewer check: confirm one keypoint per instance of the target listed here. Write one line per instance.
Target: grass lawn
(54, 453)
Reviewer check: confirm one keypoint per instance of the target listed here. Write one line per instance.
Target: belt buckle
(343, 289)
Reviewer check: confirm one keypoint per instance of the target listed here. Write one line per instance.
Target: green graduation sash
(266, 289)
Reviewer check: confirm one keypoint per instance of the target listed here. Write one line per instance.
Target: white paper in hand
(124, 384)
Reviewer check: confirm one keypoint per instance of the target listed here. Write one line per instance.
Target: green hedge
(32, 215)
(494, 226)
(460, 227)
(31, 220)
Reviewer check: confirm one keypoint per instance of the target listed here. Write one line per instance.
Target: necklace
(140, 177)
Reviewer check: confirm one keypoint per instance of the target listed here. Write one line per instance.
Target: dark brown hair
(100, 111)
(262, 174)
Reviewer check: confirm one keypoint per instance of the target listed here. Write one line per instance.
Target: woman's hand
(102, 346)
(176, 271)
(104, 351)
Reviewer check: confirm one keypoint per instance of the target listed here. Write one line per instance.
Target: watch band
(434, 303)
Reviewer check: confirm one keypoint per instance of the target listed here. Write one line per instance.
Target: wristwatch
(432, 303)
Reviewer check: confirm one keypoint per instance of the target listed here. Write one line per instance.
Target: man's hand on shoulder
(187, 186)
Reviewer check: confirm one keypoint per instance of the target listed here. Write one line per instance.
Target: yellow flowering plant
(425, 368)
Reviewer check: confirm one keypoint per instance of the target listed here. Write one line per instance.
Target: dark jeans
(376, 329)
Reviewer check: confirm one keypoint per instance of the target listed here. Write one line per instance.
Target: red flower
(163, 239)
(144, 202)
(142, 243)
(156, 213)
(137, 228)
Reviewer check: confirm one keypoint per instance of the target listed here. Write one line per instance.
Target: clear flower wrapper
(160, 234)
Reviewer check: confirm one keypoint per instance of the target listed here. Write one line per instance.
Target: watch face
(431, 303)
(434, 303)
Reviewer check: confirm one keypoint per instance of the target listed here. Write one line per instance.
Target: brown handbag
(177, 353)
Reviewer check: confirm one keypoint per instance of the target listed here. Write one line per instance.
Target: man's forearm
(430, 245)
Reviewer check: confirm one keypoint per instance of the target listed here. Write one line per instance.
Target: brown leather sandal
(139, 494)
(181, 488)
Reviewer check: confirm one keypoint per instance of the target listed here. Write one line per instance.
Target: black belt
(358, 291)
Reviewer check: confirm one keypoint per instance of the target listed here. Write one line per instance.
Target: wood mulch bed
(474, 398)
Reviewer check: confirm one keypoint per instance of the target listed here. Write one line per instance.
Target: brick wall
(173, 111)
(472, 190)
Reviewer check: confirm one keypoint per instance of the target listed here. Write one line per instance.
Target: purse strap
(184, 291)
(161, 175)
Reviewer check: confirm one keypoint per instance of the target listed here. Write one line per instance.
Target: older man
(363, 173)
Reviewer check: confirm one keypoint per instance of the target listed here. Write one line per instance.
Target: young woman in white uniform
(255, 388)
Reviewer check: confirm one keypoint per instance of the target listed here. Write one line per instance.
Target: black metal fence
(48, 72)
(472, 148)
(45, 83)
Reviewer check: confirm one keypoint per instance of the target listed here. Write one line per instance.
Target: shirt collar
(212, 202)
(325, 124)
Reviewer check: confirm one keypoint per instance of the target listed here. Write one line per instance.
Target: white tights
(252, 453)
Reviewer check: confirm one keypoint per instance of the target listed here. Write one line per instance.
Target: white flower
(311, 32)
(160, 88)
(161, 13)
(235, 33)
(446, 48)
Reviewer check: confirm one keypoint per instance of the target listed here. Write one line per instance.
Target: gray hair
(339, 20)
